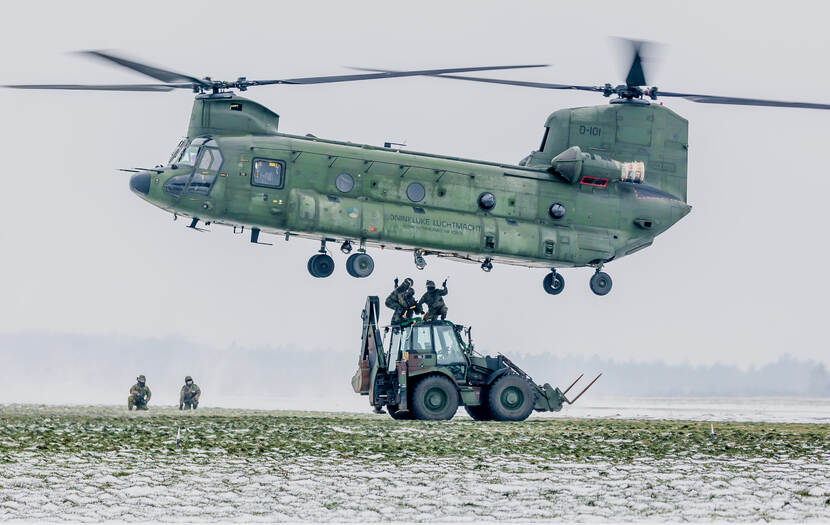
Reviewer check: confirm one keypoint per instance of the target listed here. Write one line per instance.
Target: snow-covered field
(100, 463)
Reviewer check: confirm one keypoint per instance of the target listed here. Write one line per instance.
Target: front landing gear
(553, 283)
(360, 265)
(321, 264)
(601, 283)
(487, 265)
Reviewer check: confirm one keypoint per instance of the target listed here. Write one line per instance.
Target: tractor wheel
(435, 398)
(479, 413)
(511, 398)
(394, 413)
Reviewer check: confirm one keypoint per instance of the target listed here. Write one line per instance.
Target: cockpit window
(189, 154)
(177, 152)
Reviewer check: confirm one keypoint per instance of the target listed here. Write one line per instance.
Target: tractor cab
(429, 344)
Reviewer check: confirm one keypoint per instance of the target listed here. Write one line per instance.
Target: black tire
(320, 265)
(434, 398)
(601, 283)
(554, 283)
(511, 398)
(479, 413)
(360, 265)
(394, 413)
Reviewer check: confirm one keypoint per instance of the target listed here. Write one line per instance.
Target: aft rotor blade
(151, 71)
(380, 73)
(102, 87)
(738, 101)
(523, 83)
(636, 76)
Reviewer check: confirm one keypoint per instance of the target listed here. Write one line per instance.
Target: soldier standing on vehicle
(397, 301)
(434, 301)
(139, 394)
(411, 305)
(190, 394)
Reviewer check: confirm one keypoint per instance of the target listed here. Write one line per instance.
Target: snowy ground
(100, 463)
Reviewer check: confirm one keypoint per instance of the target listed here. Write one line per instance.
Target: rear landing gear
(553, 283)
(487, 265)
(600, 283)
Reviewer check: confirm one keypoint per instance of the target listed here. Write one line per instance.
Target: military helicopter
(581, 199)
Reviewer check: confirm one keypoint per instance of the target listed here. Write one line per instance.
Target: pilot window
(268, 173)
(189, 155)
(447, 348)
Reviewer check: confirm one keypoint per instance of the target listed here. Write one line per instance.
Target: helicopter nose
(140, 183)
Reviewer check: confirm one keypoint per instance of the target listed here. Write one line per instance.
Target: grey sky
(740, 280)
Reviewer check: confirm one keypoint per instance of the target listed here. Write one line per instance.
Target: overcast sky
(742, 279)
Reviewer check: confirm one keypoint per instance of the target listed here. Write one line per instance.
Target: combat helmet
(141, 378)
(187, 378)
(408, 282)
(430, 284)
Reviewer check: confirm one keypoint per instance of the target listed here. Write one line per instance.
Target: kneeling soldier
(139, 394)
(434, 300)
(189, 396)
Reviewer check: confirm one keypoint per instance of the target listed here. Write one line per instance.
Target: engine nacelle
(575, 166)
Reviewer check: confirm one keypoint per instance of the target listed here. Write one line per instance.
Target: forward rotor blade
(151, 71)
(737, 101)
(102, 87)
(381, 73)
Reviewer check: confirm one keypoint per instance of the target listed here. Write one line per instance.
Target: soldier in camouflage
(139, 394)
(434, 301)
(189, 395)
(411, 306)
(397, 300)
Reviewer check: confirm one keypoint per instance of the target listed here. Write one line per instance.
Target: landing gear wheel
(435, 398)
(554, 283)
(399, 415)
(480, 413)
(487, 265)
(511, 398)
(601, 283)
(360, 265)
(320, 265)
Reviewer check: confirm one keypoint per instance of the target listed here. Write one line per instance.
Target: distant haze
(740, 281)
(62, 368)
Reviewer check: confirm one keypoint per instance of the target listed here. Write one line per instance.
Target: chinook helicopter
(605, 181)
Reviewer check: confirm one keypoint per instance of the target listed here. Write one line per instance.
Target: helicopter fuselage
(248, 176)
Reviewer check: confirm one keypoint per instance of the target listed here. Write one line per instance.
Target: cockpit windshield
(188, 155)
(177, 152)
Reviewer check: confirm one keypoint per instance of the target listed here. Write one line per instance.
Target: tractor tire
(434, 398)
(479, 413)
(511, 398)
(396, 414)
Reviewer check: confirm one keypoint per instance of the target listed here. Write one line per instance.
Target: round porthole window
(416, 192)
(486, 201)
(556, 210)
(344, 182)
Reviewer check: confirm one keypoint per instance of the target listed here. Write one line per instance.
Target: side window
(421, 340)
(447, 347)
(268, 173)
